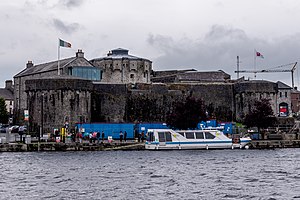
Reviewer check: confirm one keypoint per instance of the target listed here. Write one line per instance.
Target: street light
(42, 117)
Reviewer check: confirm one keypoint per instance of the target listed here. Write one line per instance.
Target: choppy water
(212, 174)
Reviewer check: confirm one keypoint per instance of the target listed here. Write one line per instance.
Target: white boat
(160, 139)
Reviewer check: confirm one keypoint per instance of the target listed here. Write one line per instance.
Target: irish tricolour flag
(64, 44)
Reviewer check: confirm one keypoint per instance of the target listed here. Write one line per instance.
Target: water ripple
(218, 174)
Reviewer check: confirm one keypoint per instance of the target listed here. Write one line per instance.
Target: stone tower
(120, 67)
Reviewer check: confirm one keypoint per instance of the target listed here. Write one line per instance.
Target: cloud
(61, 26)
(71, 3)
(219, 48)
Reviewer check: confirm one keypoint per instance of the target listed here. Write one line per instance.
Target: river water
(202, 174)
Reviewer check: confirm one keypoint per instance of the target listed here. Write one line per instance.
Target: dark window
(150, 137)
(168, 137)
(199, 135)
(189, 135)
(161, 137)
(181, 133)
(280, 94)
(285, 94)
(208, 135)
(131, 75)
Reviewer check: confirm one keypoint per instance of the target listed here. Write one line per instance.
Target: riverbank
(53, 146)
(129, 145)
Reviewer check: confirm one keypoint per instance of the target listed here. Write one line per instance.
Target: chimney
(109, 53)
(29, 64)
(8, 84)
(79, 54)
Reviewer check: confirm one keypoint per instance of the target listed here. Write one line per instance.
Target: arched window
(283, 109)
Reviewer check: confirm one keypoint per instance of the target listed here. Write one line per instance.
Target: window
(285, 94)
(181, 133)
(150, 137)
(199, 135)
(131, 75)
(161, 137)
(168, 137)
(189, 135)
(90, 73)
(280, 94)
(208, 135)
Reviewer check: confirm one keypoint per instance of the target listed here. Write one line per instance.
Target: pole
(254, 63)
(58, 58)
(293, 80)
(238, 66)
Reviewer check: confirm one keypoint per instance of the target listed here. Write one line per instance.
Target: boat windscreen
(208, 135)
(150, 137)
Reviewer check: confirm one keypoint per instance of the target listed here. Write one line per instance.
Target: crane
(275, 69)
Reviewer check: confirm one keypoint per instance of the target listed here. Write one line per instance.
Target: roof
(255, 81)
(119, 53)
(51, 66)
(191, 76)
(282, 85)
(6, 94)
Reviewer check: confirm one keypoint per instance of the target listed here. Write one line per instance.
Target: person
(90, 137)
(143, 136)
(139, 136)
(121, 136)
(102, 136)
(80, 136)
(98, 137)
(21, 132)
(125, 136)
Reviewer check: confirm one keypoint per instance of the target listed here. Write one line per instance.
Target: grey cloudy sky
(174, 34)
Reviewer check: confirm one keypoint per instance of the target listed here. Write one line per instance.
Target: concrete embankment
(271, 144)
(53, 146)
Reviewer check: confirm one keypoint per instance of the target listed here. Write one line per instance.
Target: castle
(123, 88)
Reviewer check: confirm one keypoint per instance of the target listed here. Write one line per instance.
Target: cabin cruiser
(159, 139)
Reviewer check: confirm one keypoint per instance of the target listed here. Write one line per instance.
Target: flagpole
(255, 63)
(58, 67)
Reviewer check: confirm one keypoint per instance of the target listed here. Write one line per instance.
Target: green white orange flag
(64, 44)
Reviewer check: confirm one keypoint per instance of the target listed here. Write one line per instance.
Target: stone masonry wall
(153, 102)
(53, 102)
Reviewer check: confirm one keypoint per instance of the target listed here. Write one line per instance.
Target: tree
(261, 115)
(3, 112)
(187, 114)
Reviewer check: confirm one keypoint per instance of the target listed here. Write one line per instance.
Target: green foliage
(261, 115)
(187, 114)
(3, 112)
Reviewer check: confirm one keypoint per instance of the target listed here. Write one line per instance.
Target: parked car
(3, 128)
(14, 129)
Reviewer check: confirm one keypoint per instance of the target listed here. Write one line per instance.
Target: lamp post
(42, 117)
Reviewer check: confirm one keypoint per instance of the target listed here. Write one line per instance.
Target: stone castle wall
(52, 102)
(153, 102)
(55, 102)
